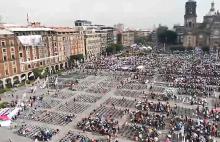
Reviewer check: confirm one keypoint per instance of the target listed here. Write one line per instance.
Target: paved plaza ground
(97, 94)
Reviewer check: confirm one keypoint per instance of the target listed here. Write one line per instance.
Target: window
(15, 71)
(12, 57)
(20, 54)
(4, 50)
(12, 49)
(190, 24)
(29, 66)
(6, 72)
(3, 43)
(41, 63)
(5, 58)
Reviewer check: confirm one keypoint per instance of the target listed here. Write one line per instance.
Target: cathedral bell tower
(189, 39)
(190, 15)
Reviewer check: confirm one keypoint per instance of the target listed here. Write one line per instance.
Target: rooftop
(63, 29)
(27, 29)
(5, 32)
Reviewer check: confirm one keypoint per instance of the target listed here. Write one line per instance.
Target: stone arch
(52, 69)
(16, 80)
(8, 82)
(57, 67)
(66, 65)
(23, 77)
(61, 66)
(31, 76)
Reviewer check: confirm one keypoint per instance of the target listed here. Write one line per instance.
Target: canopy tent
(140, 67)
(5, 123)
(125, 67)
(4, 111)
(134, 45)
(14, 112)
(149, 48)
(4, 117)
(146, 48)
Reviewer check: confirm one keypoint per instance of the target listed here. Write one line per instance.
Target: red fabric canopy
(4, 117)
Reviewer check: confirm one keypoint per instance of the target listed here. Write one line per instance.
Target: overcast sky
(133, 13)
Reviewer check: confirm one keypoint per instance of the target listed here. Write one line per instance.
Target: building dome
(212, 11)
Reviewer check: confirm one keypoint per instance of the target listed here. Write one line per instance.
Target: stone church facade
(205, 34)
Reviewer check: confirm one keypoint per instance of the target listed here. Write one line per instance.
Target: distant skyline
(142, 14)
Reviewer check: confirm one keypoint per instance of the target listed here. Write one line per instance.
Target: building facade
(9, 61)
(127, 38)
(205, 34)
(93, 44)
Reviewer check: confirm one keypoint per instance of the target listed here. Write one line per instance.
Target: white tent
(134, 45)
(5, 123)
(140, 67)
(146, 48)
(125, 67)
(149, 48)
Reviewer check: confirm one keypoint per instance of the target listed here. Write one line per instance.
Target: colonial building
(70, 42)
(9, 59)
(180, 33)
(24, 48)
(141, 33)
(92, 43)
(103, 39)
(202, 34)
(126, 38)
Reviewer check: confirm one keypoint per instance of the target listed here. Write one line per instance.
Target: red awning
(4, 117)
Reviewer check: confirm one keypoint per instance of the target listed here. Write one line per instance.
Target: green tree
(118, 47)
(165, 35)
(168, 37)
(114, 48)
(38, 73)
(142, 40)
(110, 50)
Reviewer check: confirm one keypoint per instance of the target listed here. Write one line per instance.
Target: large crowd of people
(157, 97)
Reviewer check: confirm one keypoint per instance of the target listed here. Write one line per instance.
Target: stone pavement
(95, 80)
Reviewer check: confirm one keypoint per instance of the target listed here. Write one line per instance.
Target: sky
(143, 14)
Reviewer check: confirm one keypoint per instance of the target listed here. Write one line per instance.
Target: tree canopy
(166, 36)
(142, 40)
(114, 48)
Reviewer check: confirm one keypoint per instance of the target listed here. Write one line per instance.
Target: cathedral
(205, 34)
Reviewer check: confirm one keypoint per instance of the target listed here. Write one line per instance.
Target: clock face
(201, 36)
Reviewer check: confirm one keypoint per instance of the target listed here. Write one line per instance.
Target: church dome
(212, 11)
